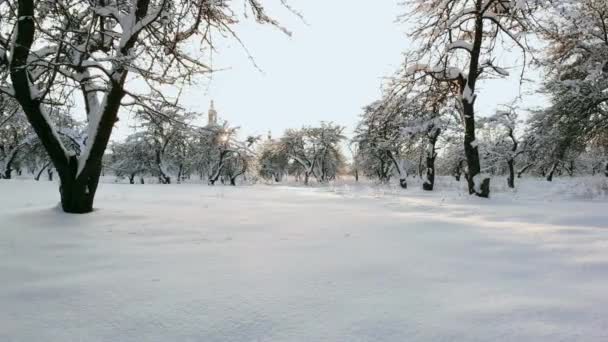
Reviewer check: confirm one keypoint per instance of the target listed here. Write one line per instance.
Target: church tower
(212, 115)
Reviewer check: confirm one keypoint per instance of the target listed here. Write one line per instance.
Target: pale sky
(330, 68)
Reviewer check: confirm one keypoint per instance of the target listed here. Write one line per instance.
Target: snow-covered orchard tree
(555, 136)
(577, 67)
(222, 147)
(54, 51)
(16, 135)
(273, 161)
(167, 131)
(36, 161)
(133, 157)
(314, 151)
(452, 161)
(426, 112)
(381, 141)
(503, 143)
(355, 166)
(241, 161)
(599, 150)
(326, 140)
(458, 42)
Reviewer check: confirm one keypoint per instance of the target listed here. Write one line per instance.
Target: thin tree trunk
(37, 178)
(429, 182)
(458, 171)
(511, 179)
(551, 172)
(402, 173)
(179, 173)
(420, 167)
(524, 169)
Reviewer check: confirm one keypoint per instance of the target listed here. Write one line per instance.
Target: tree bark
(511, 179)
(420, 167)
(429, 183)
(7, 174)
(78, 192)
(179, 173)
(77, 189)
(402, 176)
(467, 92)
(458, 171)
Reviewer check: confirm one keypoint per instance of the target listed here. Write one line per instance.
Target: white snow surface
(278, 263)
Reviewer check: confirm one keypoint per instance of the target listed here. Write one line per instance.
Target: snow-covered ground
(277, 263)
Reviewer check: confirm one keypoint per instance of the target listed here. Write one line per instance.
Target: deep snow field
(278, 263)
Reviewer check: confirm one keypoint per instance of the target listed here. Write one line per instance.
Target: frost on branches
(457, 41)
(52, 51)
(501, 141)
(576, 62)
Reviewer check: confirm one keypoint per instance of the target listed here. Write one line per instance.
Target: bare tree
(457, 43)
(505, 144)
(50, 51)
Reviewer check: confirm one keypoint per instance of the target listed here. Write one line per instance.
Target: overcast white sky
(328, 70)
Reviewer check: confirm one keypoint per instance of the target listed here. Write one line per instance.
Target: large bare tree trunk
(467, 89)
(78, 184)
(78, 192)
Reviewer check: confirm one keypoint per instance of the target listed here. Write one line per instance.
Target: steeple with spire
(212, 115)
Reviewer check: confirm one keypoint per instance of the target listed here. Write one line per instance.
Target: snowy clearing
(277, 263)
